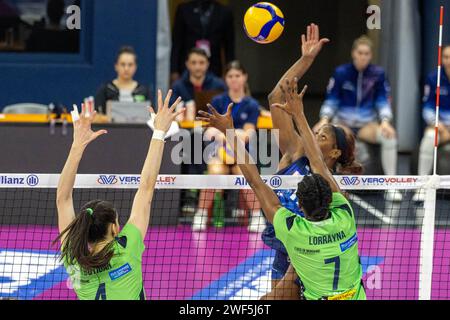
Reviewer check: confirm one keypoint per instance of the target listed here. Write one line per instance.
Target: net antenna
(430, 189)
(438, 92)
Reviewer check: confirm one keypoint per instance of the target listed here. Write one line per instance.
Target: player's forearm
(312, 150)
(249, 170)
(151, 166)
(269, 201)
(69, 172)
(298, 70)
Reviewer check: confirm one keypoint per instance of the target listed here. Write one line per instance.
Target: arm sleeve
(177, 41)
(100, 100)
(280, 224)
(429, 102)
(135, 244)
(382, 98)
(333, 99)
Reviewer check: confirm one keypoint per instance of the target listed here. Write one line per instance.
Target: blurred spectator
(124, 88)
(196, 78)
(429, 115)
(359, 98)
(196, 81)
(52, 37)
(245, 115)
(204, 24)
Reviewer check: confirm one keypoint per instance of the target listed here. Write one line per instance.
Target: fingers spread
(212, 109)
(160, 100)
(204, 114)
(303, 91)
(295, 86)
(100, 133)
(316, 32)
(167, 101)
(179, 112)
(230, 108)
(176, 103)
(202, 119)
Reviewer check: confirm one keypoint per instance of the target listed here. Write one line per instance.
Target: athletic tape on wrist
(159, 135)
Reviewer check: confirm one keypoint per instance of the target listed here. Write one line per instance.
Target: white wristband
(159, 135)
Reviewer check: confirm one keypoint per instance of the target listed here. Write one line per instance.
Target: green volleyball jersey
(121, 279)
(324, 254)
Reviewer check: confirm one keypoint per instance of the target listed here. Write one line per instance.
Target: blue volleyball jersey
(288, 199)
(429, 99)
(246, 111)
(357, 98)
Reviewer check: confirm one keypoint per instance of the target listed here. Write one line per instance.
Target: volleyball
(264, 22)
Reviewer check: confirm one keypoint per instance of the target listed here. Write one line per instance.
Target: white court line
(372, 210)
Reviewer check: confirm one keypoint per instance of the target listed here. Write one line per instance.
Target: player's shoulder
(129, 231)
(376, 70)
(339, 201)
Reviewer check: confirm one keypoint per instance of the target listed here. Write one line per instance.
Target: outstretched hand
(166, 115)
(216, 120)
(82, 127)
(311, 42)
(294, 101)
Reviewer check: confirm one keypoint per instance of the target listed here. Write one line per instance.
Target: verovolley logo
(166, 181)
(129, 180)
(350, 181)
(32, 180)
(275, 182)
(390, 181)
(107, 180)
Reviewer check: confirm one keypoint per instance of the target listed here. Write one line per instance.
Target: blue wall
(68, 78)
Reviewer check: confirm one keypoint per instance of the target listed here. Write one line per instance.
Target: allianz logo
(31, 180)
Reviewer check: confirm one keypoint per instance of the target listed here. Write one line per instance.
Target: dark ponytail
(89, 227)
(347, 164)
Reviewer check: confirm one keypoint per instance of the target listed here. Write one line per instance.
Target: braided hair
(314, 194)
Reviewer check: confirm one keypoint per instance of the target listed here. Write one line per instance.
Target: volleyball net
(404, 246)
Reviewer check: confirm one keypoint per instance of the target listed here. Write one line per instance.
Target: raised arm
(311, 47)
(294, 107)
(140, 211)
(82, 136)
(224, 123)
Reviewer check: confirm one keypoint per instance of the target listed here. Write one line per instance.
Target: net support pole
(427, 238)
